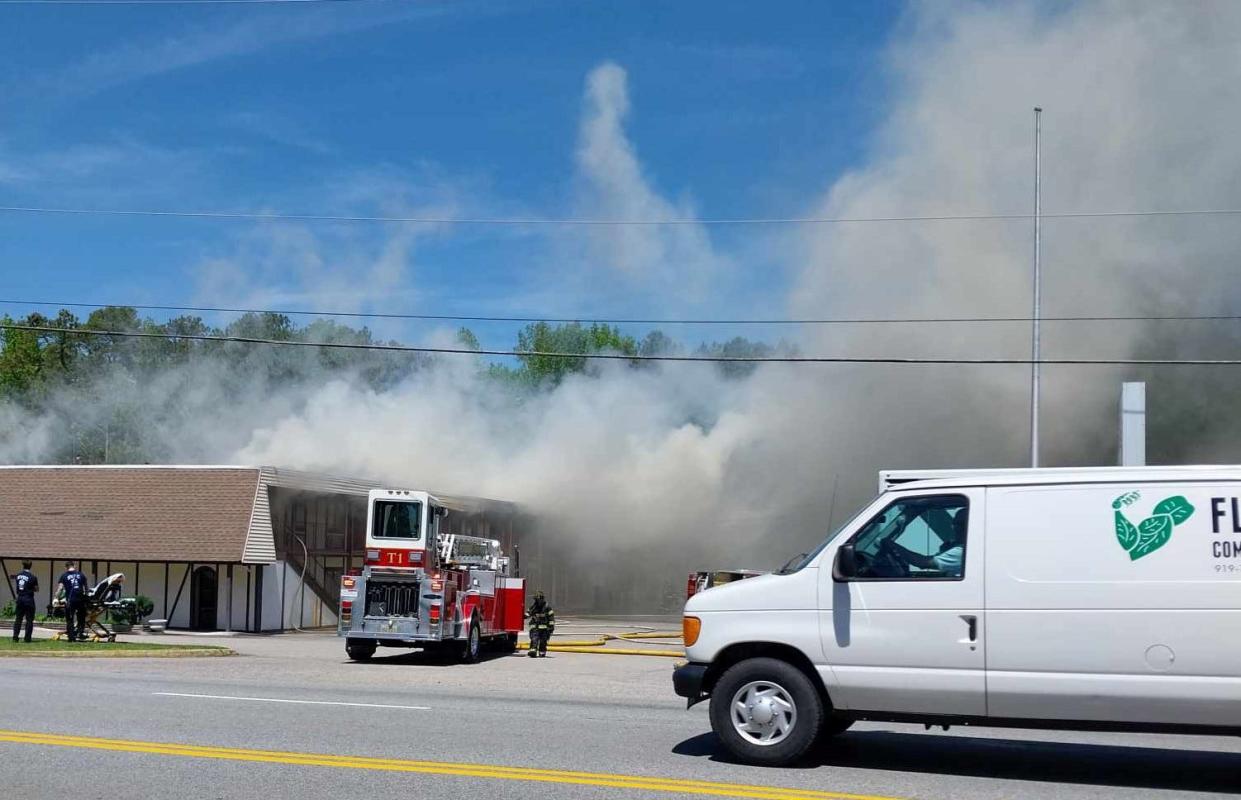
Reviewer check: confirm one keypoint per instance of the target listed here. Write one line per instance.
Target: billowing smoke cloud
(1140, 114)
(1140, 104)
(676, 261)
(644, 474)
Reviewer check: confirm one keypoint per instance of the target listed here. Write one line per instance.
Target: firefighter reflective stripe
(542, 619)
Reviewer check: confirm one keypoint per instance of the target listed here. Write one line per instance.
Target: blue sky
(396, 107)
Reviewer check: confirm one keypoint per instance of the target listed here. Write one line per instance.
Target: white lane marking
(281, 700)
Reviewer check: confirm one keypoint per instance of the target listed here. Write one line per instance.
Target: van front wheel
(766, 712)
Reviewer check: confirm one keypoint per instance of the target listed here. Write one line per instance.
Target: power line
(1151, 362)
(598, 222)
(635, 320)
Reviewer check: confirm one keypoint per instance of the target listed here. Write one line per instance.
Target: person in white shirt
(949, 562)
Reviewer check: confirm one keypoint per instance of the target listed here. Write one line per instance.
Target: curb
(178, 652)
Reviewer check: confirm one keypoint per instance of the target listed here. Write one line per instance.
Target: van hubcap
(763, 713)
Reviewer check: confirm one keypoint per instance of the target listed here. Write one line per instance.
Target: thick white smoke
(1141, 113)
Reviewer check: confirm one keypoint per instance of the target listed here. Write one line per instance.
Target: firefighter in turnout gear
(542, 625)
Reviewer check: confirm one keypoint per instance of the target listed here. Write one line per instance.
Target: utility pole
(1038, 265)
(1133, 424)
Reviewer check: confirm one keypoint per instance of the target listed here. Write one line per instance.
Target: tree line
(101, 389)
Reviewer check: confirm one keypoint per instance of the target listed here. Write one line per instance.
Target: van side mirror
(844, 567)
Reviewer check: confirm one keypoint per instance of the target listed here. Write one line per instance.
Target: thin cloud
(139, 59)
(277, 129)
(106, 171)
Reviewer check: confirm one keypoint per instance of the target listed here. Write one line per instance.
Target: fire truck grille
(391, 599)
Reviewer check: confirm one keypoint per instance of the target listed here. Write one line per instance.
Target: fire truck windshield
(397, 520)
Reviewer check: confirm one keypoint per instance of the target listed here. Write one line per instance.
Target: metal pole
(1133, 424)
(301, 586)
(1038, 265)
(228, 626)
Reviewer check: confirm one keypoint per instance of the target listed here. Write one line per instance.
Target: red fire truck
(701, 581)
(421, 588)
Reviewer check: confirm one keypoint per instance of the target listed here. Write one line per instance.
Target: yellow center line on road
(490, 771)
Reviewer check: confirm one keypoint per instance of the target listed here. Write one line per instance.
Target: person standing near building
(26, 585)
(74, 583)
(542, 625)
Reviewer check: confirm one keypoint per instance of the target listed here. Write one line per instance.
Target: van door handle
(972, 622)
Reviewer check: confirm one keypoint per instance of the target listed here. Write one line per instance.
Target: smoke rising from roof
(1141, 114)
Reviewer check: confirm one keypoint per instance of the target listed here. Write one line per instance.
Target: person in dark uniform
(26, 586)
(74, 583)
(542, 625)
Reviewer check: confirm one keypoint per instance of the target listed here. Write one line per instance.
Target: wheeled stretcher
(106, 596)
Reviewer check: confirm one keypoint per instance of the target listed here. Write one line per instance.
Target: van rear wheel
(766, 712)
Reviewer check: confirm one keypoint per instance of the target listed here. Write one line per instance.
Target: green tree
(179, 350)
(741, 347)
(542, 337)
(658, 343)
(265, 325)
(467, 340)
(21, 359)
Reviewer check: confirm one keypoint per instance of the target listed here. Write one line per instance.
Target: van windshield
(800, 562)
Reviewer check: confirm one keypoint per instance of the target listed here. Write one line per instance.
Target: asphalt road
(405, 727)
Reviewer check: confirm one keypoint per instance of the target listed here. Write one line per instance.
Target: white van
(1089, 599)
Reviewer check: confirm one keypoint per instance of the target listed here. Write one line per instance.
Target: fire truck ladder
(472, 551)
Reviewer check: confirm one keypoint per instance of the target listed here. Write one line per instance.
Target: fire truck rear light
(437, 586)
(346, 605)
(435, 612)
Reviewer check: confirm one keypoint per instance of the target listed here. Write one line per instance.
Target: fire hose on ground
(599, 645)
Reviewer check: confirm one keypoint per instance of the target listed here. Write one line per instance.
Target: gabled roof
(127, 514)
(207, 513)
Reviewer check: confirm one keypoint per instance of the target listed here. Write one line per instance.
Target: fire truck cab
(421, 588)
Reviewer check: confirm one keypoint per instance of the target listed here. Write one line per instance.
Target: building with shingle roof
(248, 548)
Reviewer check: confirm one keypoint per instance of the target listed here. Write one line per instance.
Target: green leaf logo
(1153, 532)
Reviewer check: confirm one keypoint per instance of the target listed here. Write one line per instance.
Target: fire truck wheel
(360, 651)
(472, 647)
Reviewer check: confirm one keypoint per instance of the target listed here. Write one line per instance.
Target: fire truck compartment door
(484, 581)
